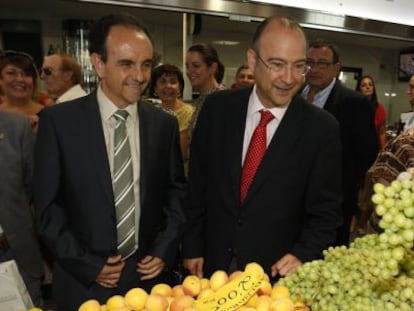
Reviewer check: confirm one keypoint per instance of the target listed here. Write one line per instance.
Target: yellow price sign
(232, 295)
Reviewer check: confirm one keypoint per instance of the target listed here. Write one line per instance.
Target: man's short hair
(100, 30)
(322, 43)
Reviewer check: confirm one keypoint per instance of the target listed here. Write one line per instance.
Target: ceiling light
(387, 11)
(225, 42)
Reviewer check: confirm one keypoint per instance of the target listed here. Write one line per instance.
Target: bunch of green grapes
(376, 272)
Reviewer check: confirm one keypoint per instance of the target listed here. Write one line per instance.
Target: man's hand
(194, 265)
(111, 272)
(286, 265)
(150, 267)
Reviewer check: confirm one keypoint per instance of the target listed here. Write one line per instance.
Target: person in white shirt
(62, 77)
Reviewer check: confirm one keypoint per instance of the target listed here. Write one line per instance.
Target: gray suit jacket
(16, 215)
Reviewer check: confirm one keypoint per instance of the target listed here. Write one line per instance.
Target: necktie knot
(121, 115)
(266, 117)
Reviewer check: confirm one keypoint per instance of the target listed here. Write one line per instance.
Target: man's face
(54, 79)
(282, 48)
(323, 69)
(127, 70)
(245, 78)
(410, 91)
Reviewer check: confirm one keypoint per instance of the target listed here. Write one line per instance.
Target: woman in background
(366, 86)
(205, 72)
(167, 84)
(18, 82)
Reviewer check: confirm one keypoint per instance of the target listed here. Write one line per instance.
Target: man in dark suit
(18, 239)
(103, 246)
(292, 208)
(356, 120)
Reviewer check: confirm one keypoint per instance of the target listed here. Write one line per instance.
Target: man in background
(356, 120)
(109, 179)
(62, 77)
(18, 239)
(244, 77)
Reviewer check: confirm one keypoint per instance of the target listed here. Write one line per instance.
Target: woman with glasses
(366, 86)
(19, 82)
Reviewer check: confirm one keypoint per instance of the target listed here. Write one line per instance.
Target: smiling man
(109, 177)
(265, 167)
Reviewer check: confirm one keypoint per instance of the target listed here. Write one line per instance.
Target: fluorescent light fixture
(393, 11)
(390, 94)
(226, 42)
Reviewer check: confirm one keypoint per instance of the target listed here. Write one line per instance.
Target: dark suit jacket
(358, 137)
(74, 196)
(16, 173)
(293, 205)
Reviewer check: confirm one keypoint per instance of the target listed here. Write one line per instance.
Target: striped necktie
(123, 185)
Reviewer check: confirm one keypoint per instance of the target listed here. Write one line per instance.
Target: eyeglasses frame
(272, 69)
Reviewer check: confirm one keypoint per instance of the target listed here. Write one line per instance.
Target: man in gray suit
(18, 240)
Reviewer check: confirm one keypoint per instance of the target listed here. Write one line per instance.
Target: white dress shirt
(107, 110)
(253, 118)
(74, 92)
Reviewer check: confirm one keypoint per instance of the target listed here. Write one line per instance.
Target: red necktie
(255, 153)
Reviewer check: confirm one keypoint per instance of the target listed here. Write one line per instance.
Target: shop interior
(366, 46)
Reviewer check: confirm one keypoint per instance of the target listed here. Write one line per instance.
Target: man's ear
(338, 67)
(251, 59)
(98, 64)
(68, 75)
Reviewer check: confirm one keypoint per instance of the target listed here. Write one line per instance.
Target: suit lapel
(236, 126)
(95, 142)
(146, 129)
(331, 104)
(283, 141)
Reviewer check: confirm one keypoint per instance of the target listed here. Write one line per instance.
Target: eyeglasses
(318, 64)
(46, 71)
(12, 53)
(299, 68)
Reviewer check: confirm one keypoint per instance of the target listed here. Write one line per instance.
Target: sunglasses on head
(12, 53)
(46, 71)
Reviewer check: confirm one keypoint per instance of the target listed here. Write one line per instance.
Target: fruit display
(246, 290)
(376, 272)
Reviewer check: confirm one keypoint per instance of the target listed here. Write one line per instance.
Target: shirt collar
(322, 96)
(107, 108)
(255, 105)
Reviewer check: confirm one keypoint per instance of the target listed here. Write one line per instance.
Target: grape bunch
(376, 272)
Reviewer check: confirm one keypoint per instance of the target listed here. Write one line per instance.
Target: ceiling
(224, 19)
